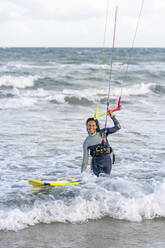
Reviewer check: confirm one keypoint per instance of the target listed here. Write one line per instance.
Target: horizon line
(4, 47)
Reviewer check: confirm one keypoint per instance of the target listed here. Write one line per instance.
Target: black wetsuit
(102, 163)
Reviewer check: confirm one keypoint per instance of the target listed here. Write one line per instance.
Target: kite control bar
(108, 112)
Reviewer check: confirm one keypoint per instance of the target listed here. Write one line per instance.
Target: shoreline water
(104, 233)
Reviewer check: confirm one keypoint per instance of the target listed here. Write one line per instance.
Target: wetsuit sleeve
(85, 156)
(112, 129)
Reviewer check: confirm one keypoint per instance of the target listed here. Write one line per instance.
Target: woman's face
(91, 127)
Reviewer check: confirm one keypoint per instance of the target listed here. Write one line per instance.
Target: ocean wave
(6, 95)
(93, 94)
(52, 83)
(83, 97)
(17, 103)
(90, 96)
(158, 89)
(78, 101)
(18, 82)
(16, 98)
(90, 204)
(19, 66)
(23, 82)
(137, 89)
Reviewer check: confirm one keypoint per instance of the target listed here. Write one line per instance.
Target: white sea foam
(17, 103)
(30, 97)
(94, 202)
(134, 90)
(40, 92)
(18, 82)
(148, 67)
(92, 95)
(98, 67)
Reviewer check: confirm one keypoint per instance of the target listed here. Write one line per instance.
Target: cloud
(53, 23)
(79, 22)
(9, 11)
(60, 10)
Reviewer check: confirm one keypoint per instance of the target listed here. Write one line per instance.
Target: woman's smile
(91, 127)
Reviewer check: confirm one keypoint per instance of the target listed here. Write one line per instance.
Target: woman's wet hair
(96, 121)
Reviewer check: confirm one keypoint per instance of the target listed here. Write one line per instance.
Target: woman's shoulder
(86, 139)
(90, 138)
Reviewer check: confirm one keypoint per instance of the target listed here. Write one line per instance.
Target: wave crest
(18, 82)
(86, 206)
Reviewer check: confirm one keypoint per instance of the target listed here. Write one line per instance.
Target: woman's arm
(116, 125)
(85, 157)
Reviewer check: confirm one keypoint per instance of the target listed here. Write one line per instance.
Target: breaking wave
(16, 98)
(88, 205)
(18, 82)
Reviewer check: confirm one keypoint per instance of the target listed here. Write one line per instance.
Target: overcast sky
(80, 23)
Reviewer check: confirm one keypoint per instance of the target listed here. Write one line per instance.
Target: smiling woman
(92, 126)
(98, 145)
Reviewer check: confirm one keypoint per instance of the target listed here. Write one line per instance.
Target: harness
(102, 150)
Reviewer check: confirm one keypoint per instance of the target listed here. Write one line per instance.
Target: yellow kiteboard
(56, 183)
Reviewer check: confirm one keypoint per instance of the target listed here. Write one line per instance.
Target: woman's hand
(110, 113)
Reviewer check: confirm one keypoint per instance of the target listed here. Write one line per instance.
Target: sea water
(46, 95)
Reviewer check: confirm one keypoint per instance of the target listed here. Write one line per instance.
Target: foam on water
(17, 103)
(92, 94)
(135, 90)
(93, 202)
(86, 97)
(18, 82)
(46, 95)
